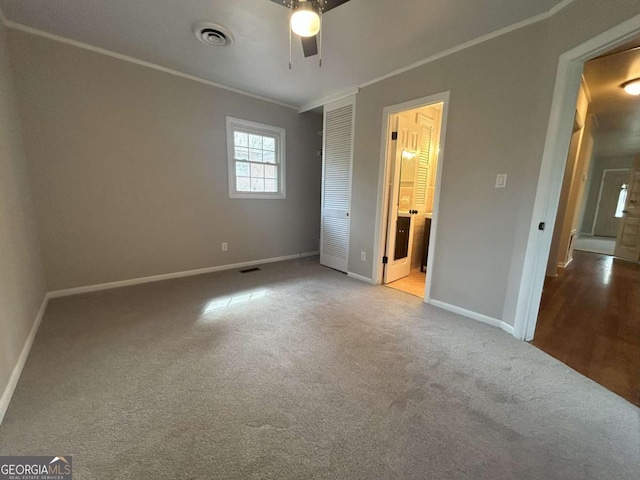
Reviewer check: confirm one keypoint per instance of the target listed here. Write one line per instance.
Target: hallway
(590, 319)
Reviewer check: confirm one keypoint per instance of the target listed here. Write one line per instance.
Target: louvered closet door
(336, 183)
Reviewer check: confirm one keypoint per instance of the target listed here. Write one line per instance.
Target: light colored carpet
(298, 372)
(602, 245)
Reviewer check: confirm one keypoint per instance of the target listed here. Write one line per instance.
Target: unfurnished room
(203, 205)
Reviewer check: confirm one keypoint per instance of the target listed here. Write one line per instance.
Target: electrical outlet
(501, 180)
(363, 256)
(224, 246)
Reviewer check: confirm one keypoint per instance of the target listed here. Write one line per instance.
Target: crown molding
(126, 58)
(472, 43)
(308, 106)
(328, 99)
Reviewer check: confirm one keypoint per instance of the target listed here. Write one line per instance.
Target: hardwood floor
(590, 320)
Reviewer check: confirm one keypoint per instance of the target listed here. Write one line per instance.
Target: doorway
(567, 84)
(412, 160)
(589, 309)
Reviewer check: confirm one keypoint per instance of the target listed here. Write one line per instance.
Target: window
(256, 154)
(622, 200)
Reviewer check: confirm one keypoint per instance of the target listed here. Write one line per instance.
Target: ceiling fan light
(305, 19)
(632, 87)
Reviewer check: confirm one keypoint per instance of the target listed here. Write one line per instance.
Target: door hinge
(385, 260)
(394, 135)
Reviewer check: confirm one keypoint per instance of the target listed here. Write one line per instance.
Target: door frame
(382, 207)
(597, 211)
(554, 158)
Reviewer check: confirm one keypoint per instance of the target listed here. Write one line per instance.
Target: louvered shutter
(336, 183)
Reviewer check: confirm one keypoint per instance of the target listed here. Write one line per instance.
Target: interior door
(337, 159)
(606, 222)
(402, 200)
(628, 240)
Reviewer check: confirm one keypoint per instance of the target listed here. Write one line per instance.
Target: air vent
(249, 270)
(212, 34)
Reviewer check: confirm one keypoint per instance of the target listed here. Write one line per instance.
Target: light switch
(501, 180)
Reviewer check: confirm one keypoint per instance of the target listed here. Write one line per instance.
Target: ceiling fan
(306, 22)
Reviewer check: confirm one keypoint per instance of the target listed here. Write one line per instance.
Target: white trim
(471, 43)
(383, 180)
(22, 359)
(362, 278)
(554, 158)
(313, 104)
(168, 276)
(565, 264)
(328, 99)
(233, 124)
(559, 7)
(126, 58)
(494, 322)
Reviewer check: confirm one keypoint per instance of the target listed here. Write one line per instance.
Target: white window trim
(259, 128)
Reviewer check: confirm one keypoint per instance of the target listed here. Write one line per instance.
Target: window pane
(269, 157)
(241, 139)
(255, 155)
(269, 143)
(622, 200)
(255, 141)
(270, 171)
(243, 184)
(242, 169)
(270, 185)
(241, 153)
(257, 184)
(257, 171)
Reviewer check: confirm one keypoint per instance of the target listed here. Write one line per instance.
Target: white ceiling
(618, 113)
(363, 39)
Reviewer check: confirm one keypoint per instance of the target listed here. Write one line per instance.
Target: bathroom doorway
(413, 163)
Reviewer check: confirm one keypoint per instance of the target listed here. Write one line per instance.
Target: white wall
(129, 168)
(501, 94)
(22, 285)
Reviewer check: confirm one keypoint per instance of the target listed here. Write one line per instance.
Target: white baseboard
(22, 359)
(473, 315)
(169, 276)
(565, 264)
(361, 278)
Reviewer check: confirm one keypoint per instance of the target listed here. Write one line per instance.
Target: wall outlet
(224, 246)
(363, 256)
(501, 180)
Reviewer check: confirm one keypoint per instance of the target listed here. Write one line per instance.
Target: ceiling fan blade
(310, 46)
(331, 4)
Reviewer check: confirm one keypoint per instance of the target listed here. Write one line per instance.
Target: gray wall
(129, 169)
(600, 164)
(22, 285)
(501, 94)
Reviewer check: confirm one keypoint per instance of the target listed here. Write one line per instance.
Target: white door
(402, 199)
(337, 157)
(628, 241)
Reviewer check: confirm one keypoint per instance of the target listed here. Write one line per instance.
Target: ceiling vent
(212, 34)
